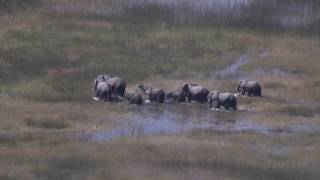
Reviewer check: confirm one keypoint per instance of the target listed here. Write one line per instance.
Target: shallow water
(178, 118)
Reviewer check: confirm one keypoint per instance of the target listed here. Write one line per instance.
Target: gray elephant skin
(195, 92)
(134, 98)
(103, 91)
(217, 99)
(155, 94)
(118, 85)
(251, 88)
(176, 96)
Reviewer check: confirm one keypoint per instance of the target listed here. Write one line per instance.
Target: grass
(50, 51)
(178, 156)
(46, 123)
(300, 111)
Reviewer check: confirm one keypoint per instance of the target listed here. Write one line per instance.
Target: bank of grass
(205, 154)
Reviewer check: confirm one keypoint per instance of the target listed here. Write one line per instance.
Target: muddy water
(173, 119)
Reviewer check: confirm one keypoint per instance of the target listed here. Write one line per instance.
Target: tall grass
(275, 15)
(52, 52)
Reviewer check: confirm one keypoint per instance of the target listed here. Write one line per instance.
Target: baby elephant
(176, 96)
(134, 98)
(217, 99)
(155, 94)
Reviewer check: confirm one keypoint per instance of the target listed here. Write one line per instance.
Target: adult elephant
(217, 99)
(251, 88)
(176, 96)
(103, 91)
(118, 85)
(134, 98)
(155, 94)
(195, 92)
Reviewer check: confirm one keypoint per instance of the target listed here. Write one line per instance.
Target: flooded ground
(151, 119)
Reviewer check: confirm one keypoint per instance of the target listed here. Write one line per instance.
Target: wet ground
(151, 119)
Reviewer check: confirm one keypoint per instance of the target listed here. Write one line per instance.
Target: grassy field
(50, 51)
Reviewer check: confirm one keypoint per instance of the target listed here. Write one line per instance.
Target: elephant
(195, 92)
(176, 96)
(134, 98)
(118, 85)
(252, 88)
(155, 95)
(103, 91)
(217, 99)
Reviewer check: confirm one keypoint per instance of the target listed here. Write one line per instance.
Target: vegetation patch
(46, 123)
(299, 111)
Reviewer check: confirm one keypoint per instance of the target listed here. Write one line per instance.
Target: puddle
(174, 119)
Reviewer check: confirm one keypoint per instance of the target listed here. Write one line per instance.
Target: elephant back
(252, 84)
(226, 96)
(196, 89)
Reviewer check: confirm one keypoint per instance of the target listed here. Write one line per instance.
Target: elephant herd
(112, 88)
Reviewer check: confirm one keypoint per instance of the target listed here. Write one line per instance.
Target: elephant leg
(259, 92)
(250, 92)
(210, 103)
(97, 93)
(109, 96)
(235, 107)
(215, 104)
(189, 97)
(243, 91)
(234, 104)
(121, 91)
(104, 96)
(161, 98)
(151, 98)
(227, 105)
